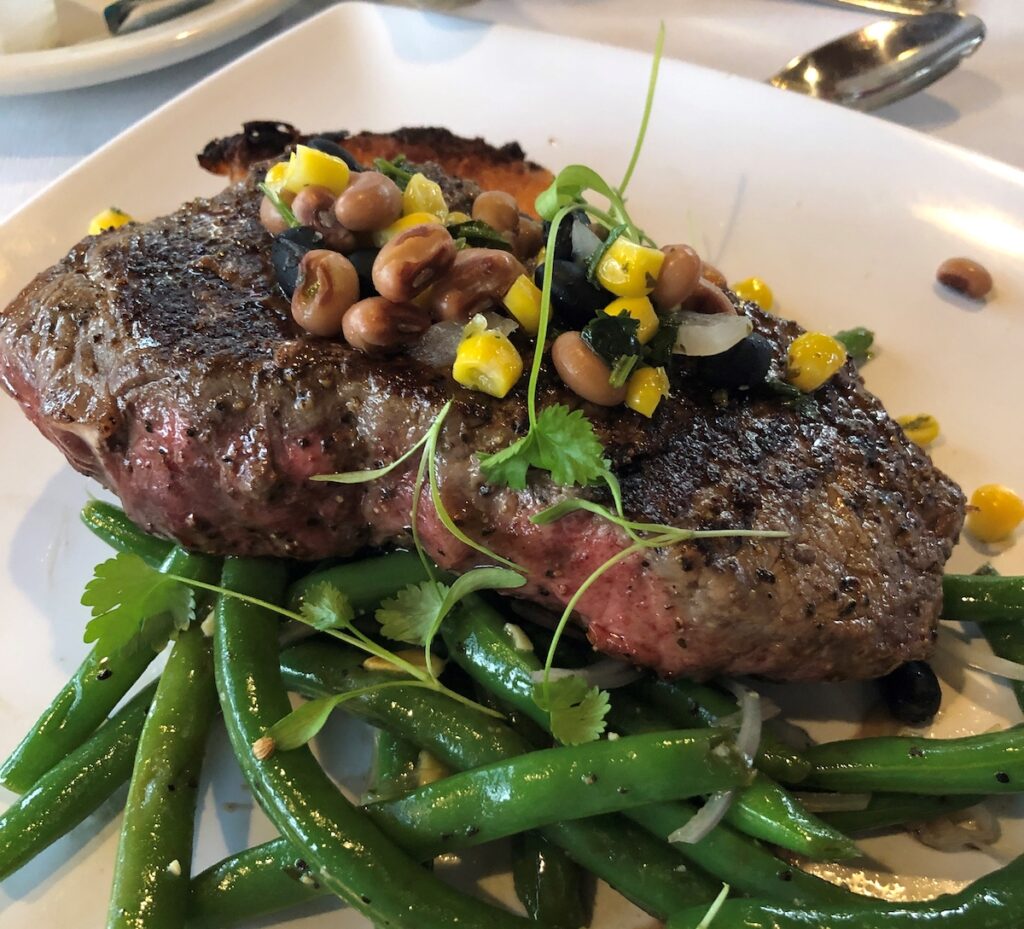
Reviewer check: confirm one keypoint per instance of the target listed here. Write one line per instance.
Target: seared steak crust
(162, 359)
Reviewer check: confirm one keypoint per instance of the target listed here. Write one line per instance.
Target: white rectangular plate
(846, 217)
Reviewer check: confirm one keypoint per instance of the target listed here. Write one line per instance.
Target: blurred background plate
(135, 53)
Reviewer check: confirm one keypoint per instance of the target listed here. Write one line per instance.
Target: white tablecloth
(980, 106)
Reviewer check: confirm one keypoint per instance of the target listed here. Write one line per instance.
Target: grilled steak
(162, 359)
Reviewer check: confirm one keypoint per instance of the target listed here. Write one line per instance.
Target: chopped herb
(275, 198)
(602, 250)
(563, 442)
(409, 615)
(477, 234)
(306, 721)
(414, 615)
(576, 709)
(621, 370)
(611, 337)
(326, 607)
(857, 342)
(134, 605)
(395, 170)
(652, 84)
(658, 352)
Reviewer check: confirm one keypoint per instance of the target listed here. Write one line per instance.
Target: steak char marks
(162, 359)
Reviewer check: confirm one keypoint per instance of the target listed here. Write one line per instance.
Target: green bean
(640, 867)
(548, 883)
(1006, 639)
(886, 810)
(736, 860)
(650, 873)
(978, 598)
(394, 766)
(977, 764)
(551, 785)
(93, 691)
(762, 809)
(993, 902)
(110, 524)
(689, 704)
(258, 882)
(73, 788)
(264, 880)
(154, 855)
(478, 643)
(349, 853)
(365, 582)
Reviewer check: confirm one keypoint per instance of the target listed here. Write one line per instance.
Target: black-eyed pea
(327, 286)
(966, 277)
(270, 217)
(709, 298)
(379, 327)
(711, 274)
(370, 202)
(678, 278)
(314, 207)
(413, 260)
(498, 209)
(477, 280)
(584, 371)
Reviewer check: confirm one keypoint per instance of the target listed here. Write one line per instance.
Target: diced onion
(702, 334)
(606, 674)
(706, 818)
(833, 803)
(980, 660)
(440, 343)
(748, 740)
(584, 241)
(976, 827)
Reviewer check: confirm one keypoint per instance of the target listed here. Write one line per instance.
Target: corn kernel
(645, 388)
(996, 512)
(309, 167)
(486, 360)
(423, 195)
(400, 225)
(453, 219)
(109, 219)
(756, 291)
(523, 301)
(813, 358)
(641, 309)
(276, 176)
(628, 269)
(920, 428)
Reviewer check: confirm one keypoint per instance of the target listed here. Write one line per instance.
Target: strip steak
(161, 358)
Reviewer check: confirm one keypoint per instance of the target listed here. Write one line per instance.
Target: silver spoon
(897, 7)
(884, 62)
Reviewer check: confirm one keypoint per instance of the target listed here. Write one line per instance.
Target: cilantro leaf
(576, 709)
(568, 447)
(416, 612)
(509, 466)
(325, 607)
(134, 604)
(857, 342)
(563, 443)
(410, 614)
